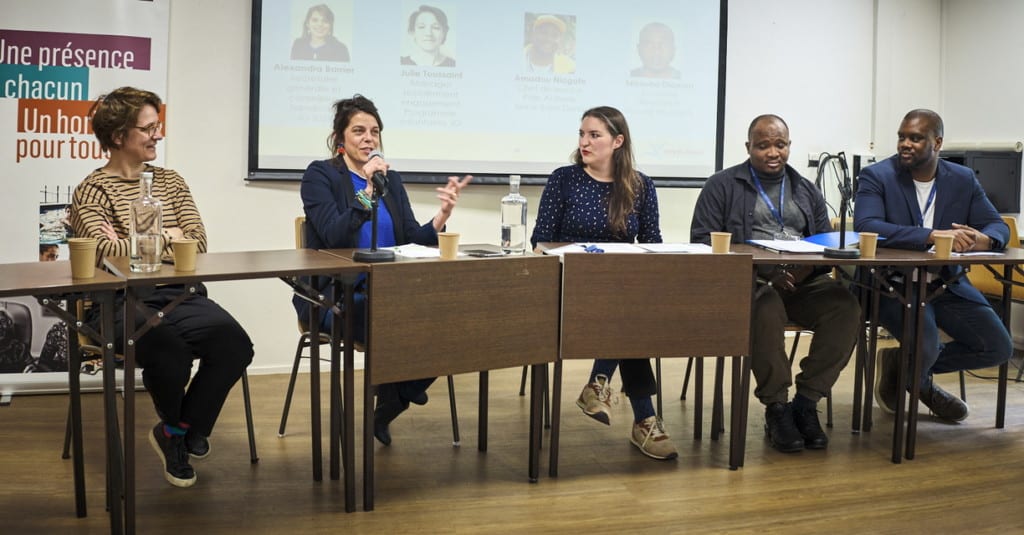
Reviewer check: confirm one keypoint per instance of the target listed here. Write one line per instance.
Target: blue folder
(831, 239)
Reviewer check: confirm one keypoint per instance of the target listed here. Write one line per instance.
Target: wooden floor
(967, 478)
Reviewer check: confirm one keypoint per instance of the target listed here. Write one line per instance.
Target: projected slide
(488, 87)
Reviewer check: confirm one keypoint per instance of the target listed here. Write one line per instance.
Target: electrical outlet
(813, 159)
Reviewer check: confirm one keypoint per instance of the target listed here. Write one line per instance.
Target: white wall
(982, 47)
(808, 62)
(907, 66)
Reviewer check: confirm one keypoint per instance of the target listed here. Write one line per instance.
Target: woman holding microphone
(336, 196)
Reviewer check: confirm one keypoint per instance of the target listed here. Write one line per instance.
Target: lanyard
(777, 212)
(927, 205)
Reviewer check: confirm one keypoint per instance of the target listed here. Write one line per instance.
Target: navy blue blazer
(886, 203)
(333, 217)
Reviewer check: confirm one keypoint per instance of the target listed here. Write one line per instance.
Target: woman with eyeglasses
(127, 125)
(603, 198)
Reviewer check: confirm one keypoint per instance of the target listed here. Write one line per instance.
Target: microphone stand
(845, 192)
(373, 254)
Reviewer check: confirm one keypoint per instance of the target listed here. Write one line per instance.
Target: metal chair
(983, 279)
(90, 351)
(718, 410)
(547, 396)
(305, 341)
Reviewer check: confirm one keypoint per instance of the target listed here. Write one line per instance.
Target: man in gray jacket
(764, 198)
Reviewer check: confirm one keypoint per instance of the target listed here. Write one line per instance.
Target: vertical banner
(56, 58)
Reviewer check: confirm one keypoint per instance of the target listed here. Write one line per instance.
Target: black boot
(806, 419)
(389, 406)
(782, 432)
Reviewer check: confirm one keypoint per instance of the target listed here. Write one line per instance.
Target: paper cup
(448, 243)
(83, 257)
(185, 251)
(720, 242)
(943, 247)
(868, 243)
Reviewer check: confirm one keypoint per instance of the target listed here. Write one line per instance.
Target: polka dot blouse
(574, 208)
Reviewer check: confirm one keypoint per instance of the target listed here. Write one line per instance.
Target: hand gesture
(449, 193)
(973, 239)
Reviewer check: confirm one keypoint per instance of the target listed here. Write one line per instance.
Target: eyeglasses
(151, 129)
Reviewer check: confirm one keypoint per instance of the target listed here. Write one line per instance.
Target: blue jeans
(638, 382)
(979, 338)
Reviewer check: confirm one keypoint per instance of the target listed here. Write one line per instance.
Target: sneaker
(174, 456)
(943, 404)
(780, 428)
(595, 400)
(887, 379)
(649, 435)
(197, 445)
(807, 423)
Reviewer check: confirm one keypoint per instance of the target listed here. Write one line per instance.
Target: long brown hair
(626, 184)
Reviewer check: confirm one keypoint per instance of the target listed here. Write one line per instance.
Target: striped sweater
(106, 197)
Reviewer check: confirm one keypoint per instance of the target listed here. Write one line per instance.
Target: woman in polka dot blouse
(603, 198)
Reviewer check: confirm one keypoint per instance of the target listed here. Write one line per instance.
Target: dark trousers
(198, 328)
(979, 338)
(407, 390)
(822, 305)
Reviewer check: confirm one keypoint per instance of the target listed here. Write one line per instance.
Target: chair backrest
(300, 232)
(300, 243)
(1014, 240)
(982, 278)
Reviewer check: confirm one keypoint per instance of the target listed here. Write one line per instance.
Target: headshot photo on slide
(317, 39)
(656, 47)
(427, 37)
(550, 43)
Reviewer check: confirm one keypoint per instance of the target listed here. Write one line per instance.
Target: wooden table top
(883, 257)
(44, 278)
(240, 266)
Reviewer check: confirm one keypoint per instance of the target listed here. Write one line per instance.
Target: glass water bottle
(147, 226)
(513, 219)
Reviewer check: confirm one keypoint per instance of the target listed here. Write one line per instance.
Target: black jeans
(198, 328)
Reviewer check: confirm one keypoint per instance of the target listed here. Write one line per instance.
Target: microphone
(380, 189)
(846, 195)
(380, 180)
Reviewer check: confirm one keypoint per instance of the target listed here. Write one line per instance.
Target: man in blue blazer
(909, 199)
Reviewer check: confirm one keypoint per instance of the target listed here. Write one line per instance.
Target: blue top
(336, 220)
(574, 208)
(385, 225)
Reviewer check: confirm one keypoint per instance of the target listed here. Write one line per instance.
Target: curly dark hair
(344, 109)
